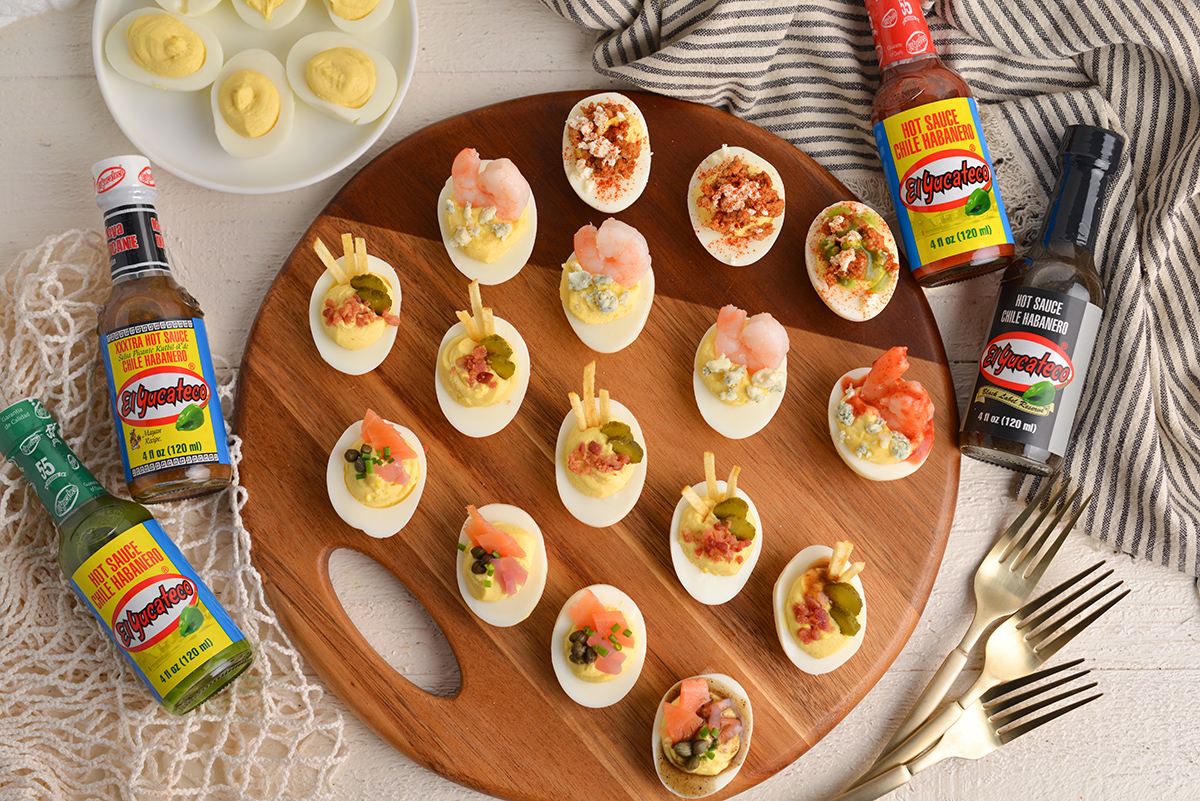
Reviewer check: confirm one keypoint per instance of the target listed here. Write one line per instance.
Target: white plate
(175, 130)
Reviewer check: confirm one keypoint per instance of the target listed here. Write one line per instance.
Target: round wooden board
(511, 731)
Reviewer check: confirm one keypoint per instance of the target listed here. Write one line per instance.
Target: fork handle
(927, 735)
(927, 704)
(878, 787)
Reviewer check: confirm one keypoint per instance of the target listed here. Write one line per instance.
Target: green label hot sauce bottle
(163, 618)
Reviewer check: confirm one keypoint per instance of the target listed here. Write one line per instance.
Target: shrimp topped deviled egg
(600, 466)
(501, 563)
(741, 372)
(820, 609)
(736, 203)
(482, 371)
(881, 424)
(354, 306)
(606, 151)
(488, 217)
(607, 285)
(375, 475)
(852, 260)
(598, 646)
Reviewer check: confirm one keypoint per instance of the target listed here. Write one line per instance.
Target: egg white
(800, 658)
(116, 48)
(515, 608)
(601, 512)
(483, 421)
(875, 472)
(368, 23)
(378, 523)
(310, 46)
(596, 695)
(192, 8)
(620, 333)
(503, 268)
(267, 65)
(363, 360)
(734, 422)
(280, 16)
(632, 188)
(715, 243)
(847, 303)
(689, 785)
(709, 588)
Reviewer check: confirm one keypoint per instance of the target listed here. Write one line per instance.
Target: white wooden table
(1141, 741)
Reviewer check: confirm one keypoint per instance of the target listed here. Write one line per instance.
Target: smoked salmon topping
(380, 434)
(491, 539)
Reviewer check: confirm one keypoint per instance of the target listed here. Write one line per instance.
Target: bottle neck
(899, 29)
(1078, 197)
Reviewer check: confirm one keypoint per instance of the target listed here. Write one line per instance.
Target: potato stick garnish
(468, 325)
(348, 252)
(852, 571)
(840, 558)
(360, 256)
(698, 504)
(605, 407)
(330, 262)
(589, 391)
(580, 416)
(476, 304)
(731, 485)
(710, 475)
(488, 326)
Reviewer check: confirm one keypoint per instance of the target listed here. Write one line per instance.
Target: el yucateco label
(940, 175)
(1033, 367)
(156, 609)
(163, 390)
(135, 241)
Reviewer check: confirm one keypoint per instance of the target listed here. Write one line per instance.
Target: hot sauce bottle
(1033, 366)
(934, 156)
(155, 348)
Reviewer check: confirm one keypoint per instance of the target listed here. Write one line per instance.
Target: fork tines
(1027, 544)
(1037, 620)
(1009, 714)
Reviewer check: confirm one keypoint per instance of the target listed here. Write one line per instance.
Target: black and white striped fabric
(808, 71)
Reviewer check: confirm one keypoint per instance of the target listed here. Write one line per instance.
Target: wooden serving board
(511, 731)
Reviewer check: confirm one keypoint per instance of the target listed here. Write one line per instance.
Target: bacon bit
(476, 367)
(812, 619)
(590, 458)
(719, 545)
(354, 312)
(735, 198)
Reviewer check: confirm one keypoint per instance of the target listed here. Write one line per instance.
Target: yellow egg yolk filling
(249, 103)
(166, 46)
(353, 9)
(342, 75)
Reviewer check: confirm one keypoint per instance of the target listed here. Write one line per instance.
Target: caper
(366, 449)
(497, 344)
(627, 447)
(693, 762)
(846, 622)
(501, 365)
(615, 428)
(351, 455)
(577, 660)
(684, 749)
(478, 568)
(731, 507)
(589, 655)
(844, 595)
(478, 552)
(741, 528)
(360, 465)
(577, 649)
(576, 636)
(701, 745)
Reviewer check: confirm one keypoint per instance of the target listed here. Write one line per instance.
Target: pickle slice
(497, 344)
(843, 595)
(614, 428)
(741, 528)
(628, 447)
(374, 291)
(501, 365)
(731, 507)
(846, 622)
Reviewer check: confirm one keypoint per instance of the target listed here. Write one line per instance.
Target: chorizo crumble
(855, 235)
(610, 149)
(737, 198)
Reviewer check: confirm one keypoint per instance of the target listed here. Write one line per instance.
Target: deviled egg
(482, 371)
(716, 537)
(341, 76)
(501, 563)
(852, 260)
(740, 372)
(354, 307)
(736, 204)
(165, 50)
(820, 608)
(268, 15)
(358, 16)
(600, 461)
(375, 475)
(881, 424)
(606, 151)
(598, 646)
(191, 8)
(701, 734)
(252, 105)
(607, 285)
(487, 217)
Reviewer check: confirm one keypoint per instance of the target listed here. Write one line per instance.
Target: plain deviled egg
(268, 15)
(736, 204)
(501, 563)
(358, 16)
(598, 646)
(252, 105)
(375, 475)
(191, 8)
(606, 151)
(341, 76)
(165, 50)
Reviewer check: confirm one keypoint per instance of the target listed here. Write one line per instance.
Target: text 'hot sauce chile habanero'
(933, 152)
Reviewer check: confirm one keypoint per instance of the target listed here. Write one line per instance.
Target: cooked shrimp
(499, 184)
(904, 405)
(758, 343)
(615, 249)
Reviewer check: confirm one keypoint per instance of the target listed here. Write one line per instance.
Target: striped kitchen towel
(808, 71)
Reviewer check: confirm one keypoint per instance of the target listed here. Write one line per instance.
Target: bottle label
(940, 174)
(899, 29)
(161, 616)
(135, 243)
(30, 437)
(164, 396)
(1033, 367)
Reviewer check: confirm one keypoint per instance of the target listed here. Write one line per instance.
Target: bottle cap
(1100, 145)
(122, 173)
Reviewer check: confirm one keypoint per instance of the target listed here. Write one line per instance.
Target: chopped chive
(462, 547)
(616, 627)
(487, 583)
(618, 646)
(491, 569)
(600, 649)
(495, 554)
(387, 452)
(370, 466)
(360, 476)
(627, 633)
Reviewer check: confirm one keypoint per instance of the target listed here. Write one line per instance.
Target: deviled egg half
(606, 151)
(341, 76)
(598, 646)
(375, 475)
(501, 563)
(353, 311)
(268, 15)
(252, 105)
(740, 372)
(701, 734)
(482, 371)
(607, 285)
(191, 8)
(358, 16)
(852, 260)
(736, 204)
(820, 608)
(165, 50)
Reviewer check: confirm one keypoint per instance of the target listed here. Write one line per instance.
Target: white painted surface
(1139, 741)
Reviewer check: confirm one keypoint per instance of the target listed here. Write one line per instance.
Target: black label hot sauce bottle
(1033, 367)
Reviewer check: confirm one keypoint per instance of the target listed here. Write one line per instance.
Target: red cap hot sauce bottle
(936, 160)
